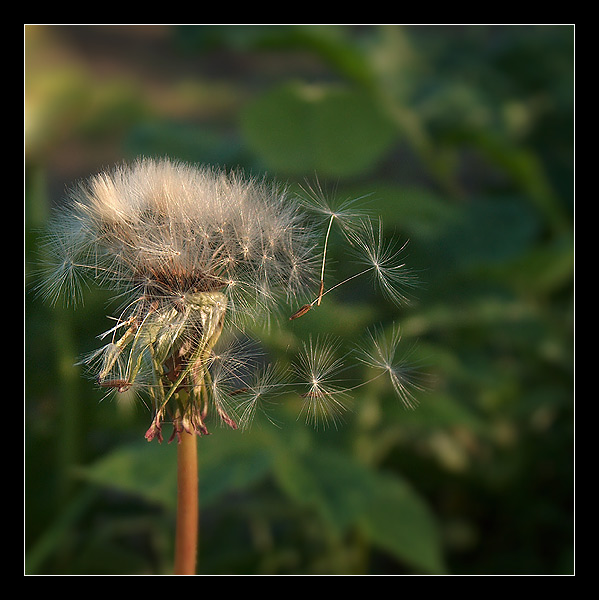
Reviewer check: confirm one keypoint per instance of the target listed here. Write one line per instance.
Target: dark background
(463, 137)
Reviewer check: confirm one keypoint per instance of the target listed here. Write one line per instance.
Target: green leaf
(382, 506)
(143, 469)
(335, 131)
(234, 462)
(345, 493)
(149, 471)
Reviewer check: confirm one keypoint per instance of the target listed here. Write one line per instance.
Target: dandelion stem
(307, 307)
(324, 257)
(186, 540)
(344, 281)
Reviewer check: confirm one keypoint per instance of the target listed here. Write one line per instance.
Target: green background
(462, 138)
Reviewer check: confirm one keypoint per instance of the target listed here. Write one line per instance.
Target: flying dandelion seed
(324, 398)
(380, 353)
(345, 214)
(266, 383)
(383, 259)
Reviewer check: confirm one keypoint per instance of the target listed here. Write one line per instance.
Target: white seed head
(166, 229)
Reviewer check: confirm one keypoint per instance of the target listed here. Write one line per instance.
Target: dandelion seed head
(192, 251)
(162, 228)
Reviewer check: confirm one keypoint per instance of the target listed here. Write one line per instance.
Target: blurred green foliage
(461, 137)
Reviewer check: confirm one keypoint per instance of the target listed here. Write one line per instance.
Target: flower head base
(191, 251)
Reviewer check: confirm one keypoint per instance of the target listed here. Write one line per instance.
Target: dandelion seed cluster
(190, 251)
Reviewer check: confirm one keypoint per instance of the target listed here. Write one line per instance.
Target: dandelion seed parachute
(383, 258)
(324, 399)
(380, 354)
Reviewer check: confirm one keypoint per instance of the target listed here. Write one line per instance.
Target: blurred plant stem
(68, 449)
(186, 540)
(383, 71)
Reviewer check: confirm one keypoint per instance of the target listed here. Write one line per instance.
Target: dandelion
(187, 248)
(191, 252)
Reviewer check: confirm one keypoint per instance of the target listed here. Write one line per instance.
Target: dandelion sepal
(209, 309)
